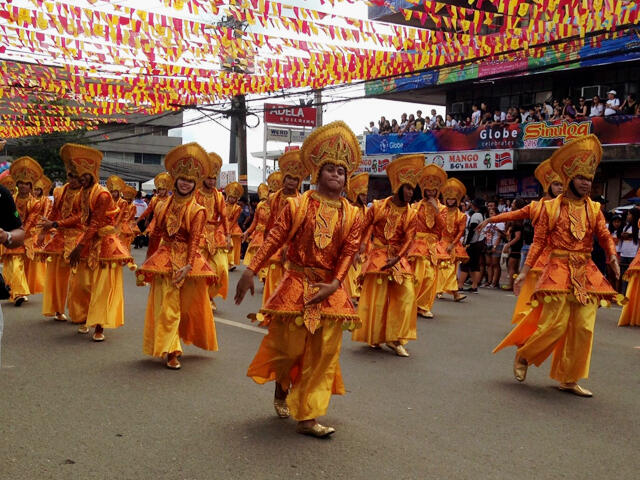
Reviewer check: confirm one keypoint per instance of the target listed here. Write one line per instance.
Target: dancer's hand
(481, 225)
(615, 266)
(450, 248)
(390, 263)
(45, 224)
(324, 291)
(74, 256)
(357, 260)
(517, 284)
(245, 283)
(229, 243)
(180, 275)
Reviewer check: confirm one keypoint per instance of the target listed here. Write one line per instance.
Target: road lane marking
(241, 325)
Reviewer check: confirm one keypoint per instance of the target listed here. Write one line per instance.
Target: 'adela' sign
(289, 115)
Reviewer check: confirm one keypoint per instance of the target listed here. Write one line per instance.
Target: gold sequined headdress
(358, 185)
(80, 159)
(189, 162)
(163, 180)
(114, 182)
(215, 164)
(234, 189)
(546, 175)
(275, 181)
(129, 192)
(8, 182)
(44, 183)
(26, 170)
(405, 170)
(578, 157)
(291, 164)
(432, 177)
(263, 191)
(453, 188)
(333, 143)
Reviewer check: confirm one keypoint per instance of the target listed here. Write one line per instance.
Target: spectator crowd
(551, 110)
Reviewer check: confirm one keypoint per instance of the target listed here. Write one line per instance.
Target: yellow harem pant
(234, 254)
(56, 286)
(15, 276)
(387, 310)
(630, 315)
(35, 275)
(565, 328)
(220, 264)
(178, 313)
(522, 303)
(275, 272)
(447, 277)
(96, 297)
(426, 275)
(308, 362)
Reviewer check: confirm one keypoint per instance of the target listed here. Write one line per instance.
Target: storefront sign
(286, 135)
(289, 115)
(472, 160)
(374, 164)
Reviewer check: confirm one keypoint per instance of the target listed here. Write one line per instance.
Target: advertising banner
(374, 164)
(476, 160)
(617, 129)
(289, 115)
(286, 135)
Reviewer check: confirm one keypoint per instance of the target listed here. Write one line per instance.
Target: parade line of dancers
(316, 253)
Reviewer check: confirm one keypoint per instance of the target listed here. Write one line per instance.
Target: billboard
(289, 115)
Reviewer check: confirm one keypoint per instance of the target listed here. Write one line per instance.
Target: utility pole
(317, 101)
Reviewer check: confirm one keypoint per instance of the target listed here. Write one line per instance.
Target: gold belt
(567, 253)
(311, 313)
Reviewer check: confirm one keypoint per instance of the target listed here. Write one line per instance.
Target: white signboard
(285, 135)
(473, 160)
(227, 177)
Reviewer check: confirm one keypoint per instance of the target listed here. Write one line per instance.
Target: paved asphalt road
(74, 409)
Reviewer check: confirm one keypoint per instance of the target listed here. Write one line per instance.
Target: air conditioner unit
(592, 91)
(457, 107)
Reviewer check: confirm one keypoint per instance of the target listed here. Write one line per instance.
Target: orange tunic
(454, 223)
(568, 229)
(257, 228)
(232, 212)
(154, 238)
(323, 237)
(429, 224)
(216, 227)
(391, 230)
(66, 212)
(28, 209)
(277, 201)
(99, 240)
(181, 224)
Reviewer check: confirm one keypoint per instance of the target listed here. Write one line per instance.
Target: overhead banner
(617, 129)
(289, 115)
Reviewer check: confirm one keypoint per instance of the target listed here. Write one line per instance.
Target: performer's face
(184, 186)
(452, 202)
(333, 177)
(231, 200)
(86, 180)
(290, 184)
(74, 181)
(37, 192)
(362, 198)
(581, 186)
(24, 188)
(162, 192)
(556, 188)
(430, 193)
(115, 194)
(210, 182)
(406, 193)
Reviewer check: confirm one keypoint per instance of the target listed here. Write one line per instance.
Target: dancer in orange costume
(387, 307)
(450, 252)
(36, 268)
(357, 195)
(255, 232)
(127, 227)
(96, 298)
(216, 238)
(234, 192)
(65, 222)
(293, 173)
(630, 315)
(423, 252)
(26, 172)
(551, 182)
(310, 308)
(570, 288)
(163, 183)
(178, 306)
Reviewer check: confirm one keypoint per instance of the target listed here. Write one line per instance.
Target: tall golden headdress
(26, 170)
(405, 169)
(114, 182)
(80, 159)
(578, 157)
(432, 177)
(215, 164)
(333, 143)
(546, 175)
(453, 188)
(44, 183)
(274, 181)
(263, 191)
(291, 164)
(163, 180)
(8, 182)
(189, 162)
(234, 189)
(129, 193)
(358, 185)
